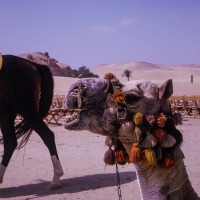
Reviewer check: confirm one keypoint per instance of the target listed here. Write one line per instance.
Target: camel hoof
(54, 186)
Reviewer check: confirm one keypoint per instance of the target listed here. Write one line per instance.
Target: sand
(86, 176)
(81, 155)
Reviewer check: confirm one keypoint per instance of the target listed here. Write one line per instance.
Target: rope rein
(118, 182)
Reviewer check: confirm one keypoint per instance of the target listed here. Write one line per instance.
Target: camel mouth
(72, 117)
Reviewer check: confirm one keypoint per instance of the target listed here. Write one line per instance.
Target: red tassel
(121, 157)
(159, 134)
(109, 157)
(168, 161)
(135, 154)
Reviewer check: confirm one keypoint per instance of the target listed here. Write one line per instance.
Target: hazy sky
(93, 32)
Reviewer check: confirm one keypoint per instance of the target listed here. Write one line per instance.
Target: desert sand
(81, 154)
(86, 176)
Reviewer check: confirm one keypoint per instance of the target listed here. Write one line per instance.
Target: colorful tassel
(149, 141)
(150, 157)
(150, 119)
(135, 154)
(169, 141)
(109, 76)
(109, 157)
(119, 97)
(137, 134)
(109, 142)
(157, 147)
(121, 157)
(178, 153)
(159, 134)
(161, 120)
(138, 118)
(168, 162)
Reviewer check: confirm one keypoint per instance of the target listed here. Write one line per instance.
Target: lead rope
(118, 178)
(79, 95)
(118, 183)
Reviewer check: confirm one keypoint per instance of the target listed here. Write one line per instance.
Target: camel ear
(109, 88)
(166, 90)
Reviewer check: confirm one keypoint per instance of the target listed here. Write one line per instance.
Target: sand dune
(180, 74)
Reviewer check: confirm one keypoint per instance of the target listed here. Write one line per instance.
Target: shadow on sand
(71, 185)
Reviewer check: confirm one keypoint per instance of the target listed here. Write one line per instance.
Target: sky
(93, 32)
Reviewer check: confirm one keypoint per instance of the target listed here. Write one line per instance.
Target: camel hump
(1, 61)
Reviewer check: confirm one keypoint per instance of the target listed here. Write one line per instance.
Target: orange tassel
(109, 76)
(119, 97)
(109, 157)
(135, 154)
(161, 120)
(159, 134)
(168, 161)
(121, 157)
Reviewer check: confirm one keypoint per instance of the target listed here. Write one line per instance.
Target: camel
(135, 117)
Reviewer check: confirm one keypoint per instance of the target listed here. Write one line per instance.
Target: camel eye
(131, 98)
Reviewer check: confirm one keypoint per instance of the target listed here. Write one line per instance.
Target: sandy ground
(86, 176)
(81, 154)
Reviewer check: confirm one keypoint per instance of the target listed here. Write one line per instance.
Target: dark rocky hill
(57, 69)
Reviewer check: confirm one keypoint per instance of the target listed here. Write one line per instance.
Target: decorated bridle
(156, 139)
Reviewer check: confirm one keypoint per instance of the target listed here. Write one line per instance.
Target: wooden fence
(188, 106)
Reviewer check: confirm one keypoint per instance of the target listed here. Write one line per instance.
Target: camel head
(90, 107)
(86, 102)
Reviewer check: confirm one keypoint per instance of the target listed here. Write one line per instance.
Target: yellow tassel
(135, 154)
(150, 157)
(138, 118)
